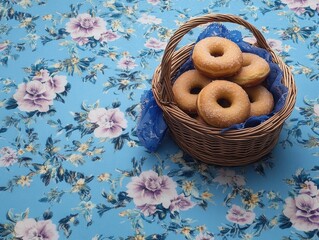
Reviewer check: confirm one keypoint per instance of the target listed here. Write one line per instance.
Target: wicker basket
(206, 143)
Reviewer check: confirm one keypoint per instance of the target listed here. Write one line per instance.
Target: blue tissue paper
(151, 126)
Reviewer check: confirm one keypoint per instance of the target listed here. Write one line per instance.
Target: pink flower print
(43, 76)
(47, 230)
(298, 6)
(110, 122)
(275, 44)
(23, 229)
(204, 236)
(303, 212)
(310, 189)
(109, 36)
(28, 229)
(301, 3)
(229, 177)
(57, 83)
(97, 115)
(81, 40)
(4, 46)
(240, 216)
(155, 44)
(149, 19)
(126, 63)
(149, 188)
(154, 2)
(298, 10)
(7, 157)
(250, 40)
(181, 203)
(34, 96)
(84, 25)
(147, 209)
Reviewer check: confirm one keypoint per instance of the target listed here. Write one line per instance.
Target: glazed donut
(186, 88)
(255, 69)
(223, 103)
(217, 57)
(262, 101)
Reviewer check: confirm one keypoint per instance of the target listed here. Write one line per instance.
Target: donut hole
(216, 53)
(224, 103)
(195, 90)
(251, 99)
(246, 62)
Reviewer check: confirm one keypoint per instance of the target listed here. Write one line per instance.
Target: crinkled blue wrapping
(152, 127)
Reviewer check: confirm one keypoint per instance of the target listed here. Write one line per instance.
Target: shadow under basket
(206, 143)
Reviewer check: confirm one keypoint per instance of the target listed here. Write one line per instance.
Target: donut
(262, 101)
(200, 120)
(255, 69)
(217, 57)
(186, 89)
(223, 103)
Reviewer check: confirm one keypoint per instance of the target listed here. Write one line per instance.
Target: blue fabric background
(71, 167)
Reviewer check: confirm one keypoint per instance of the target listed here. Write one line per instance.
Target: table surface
(72, 74)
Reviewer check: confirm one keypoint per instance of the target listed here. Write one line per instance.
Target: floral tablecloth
(71, 165)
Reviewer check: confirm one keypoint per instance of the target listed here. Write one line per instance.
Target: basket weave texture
(206, 143)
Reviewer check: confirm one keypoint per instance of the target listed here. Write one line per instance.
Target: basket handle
(165, 77)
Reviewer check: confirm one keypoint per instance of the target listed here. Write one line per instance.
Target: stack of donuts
(226, 86)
